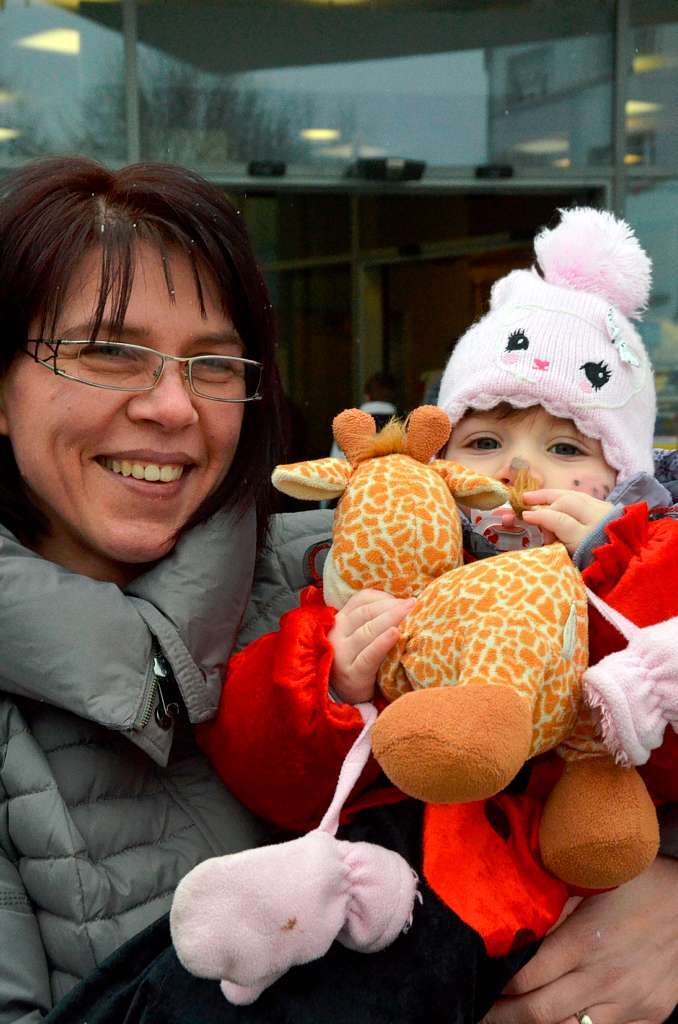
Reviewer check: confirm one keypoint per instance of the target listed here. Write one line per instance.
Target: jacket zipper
(165, 710)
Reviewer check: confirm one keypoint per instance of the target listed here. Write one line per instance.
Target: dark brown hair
(55, 211)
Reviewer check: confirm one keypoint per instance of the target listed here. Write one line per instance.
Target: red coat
(278, 741)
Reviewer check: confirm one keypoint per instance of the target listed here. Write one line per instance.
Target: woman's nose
(169, 403)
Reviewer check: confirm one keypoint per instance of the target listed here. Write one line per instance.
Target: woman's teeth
(144, 470)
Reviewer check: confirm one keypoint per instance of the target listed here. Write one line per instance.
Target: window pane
(61, 80)
(408, 223)
(314, 322)
(652, 209)
(287, 227)
(323, 84)
(652, 95)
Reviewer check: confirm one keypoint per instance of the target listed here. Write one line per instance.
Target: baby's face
(556, 454)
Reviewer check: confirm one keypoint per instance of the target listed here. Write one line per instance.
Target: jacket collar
(88, 647)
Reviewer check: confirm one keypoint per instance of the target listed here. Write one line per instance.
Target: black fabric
(437, 972)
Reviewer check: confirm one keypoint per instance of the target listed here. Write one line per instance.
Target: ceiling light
(321, 134)
(9, 133)
(633, 158)
(345, 152)
(543, 147)
(8, 97)
(634, 107)
(337, 3)
(54, 40)
(645, 62)
(75, 5)
(564, 161)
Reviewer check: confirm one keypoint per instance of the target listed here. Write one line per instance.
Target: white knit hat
(562, 339)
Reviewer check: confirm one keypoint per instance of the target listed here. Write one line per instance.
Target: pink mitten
(635, 691)
(248, 917)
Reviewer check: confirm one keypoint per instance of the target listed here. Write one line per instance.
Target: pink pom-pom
(593, 251)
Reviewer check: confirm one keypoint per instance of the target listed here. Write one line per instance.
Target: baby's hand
(364, 631)
(570, 515)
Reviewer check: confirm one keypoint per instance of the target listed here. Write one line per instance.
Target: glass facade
(307, 112)
(62, 79)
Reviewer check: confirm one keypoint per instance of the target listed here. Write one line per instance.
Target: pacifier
(490, 525)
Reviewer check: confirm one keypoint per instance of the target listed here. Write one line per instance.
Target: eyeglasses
(120, 366)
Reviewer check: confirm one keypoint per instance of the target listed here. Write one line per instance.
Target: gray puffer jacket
(105, 800)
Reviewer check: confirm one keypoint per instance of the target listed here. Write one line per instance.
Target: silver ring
(583, 1017)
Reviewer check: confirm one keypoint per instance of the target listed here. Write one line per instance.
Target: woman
(139, 417)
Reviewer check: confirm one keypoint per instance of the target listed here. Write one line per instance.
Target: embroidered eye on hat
(560, 335)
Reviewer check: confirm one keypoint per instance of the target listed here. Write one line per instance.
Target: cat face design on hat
(589, 356)
(560, 336)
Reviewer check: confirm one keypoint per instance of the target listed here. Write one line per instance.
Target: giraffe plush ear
(353, 430)
(471, 488)
(314, 480)
(428, 429)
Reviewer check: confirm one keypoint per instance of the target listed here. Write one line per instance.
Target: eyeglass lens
(123, 366)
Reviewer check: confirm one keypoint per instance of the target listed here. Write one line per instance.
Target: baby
(553, 383)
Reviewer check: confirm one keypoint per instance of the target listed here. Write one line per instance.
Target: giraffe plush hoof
(599, 826)
(454, 744)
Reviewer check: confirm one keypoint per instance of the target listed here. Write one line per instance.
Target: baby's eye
(565, 448)
(518, 341)
(484, 444)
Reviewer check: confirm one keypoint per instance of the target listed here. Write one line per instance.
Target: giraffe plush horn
(428, 429)
(352, 428)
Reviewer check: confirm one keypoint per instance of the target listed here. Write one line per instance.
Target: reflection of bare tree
(212, 122)
(187, 118)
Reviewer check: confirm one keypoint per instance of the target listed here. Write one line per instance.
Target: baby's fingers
(369, 659)
(374, 616)
(566, 529)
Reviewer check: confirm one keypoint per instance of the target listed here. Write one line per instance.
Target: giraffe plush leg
(599, 826)
(454, 744)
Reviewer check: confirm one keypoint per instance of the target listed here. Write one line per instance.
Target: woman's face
(64, 433)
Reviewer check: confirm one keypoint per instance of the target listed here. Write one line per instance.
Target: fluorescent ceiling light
(633, 158)
(543, 147)
(321, 134)
(564, 161)
(75, 5)
(8, 97)
(634, 107)
(54, 40)
(348, 151)
(9, 133)
(646, 62)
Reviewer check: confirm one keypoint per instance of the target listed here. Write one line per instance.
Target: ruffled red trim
(278, 740)
(625, 537)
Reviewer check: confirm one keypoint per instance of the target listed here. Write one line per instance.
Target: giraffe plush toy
(488, 669)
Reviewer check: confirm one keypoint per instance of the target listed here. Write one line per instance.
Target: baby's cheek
(592, 485)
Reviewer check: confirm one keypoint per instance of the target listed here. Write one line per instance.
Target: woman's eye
(597, 374)
(484, 444)
(518, 341)
(564, 448)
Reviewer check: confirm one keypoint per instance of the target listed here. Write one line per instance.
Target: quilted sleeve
(24, 978)
(278, 740)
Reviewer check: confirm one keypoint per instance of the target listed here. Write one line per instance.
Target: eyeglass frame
(54, 344)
